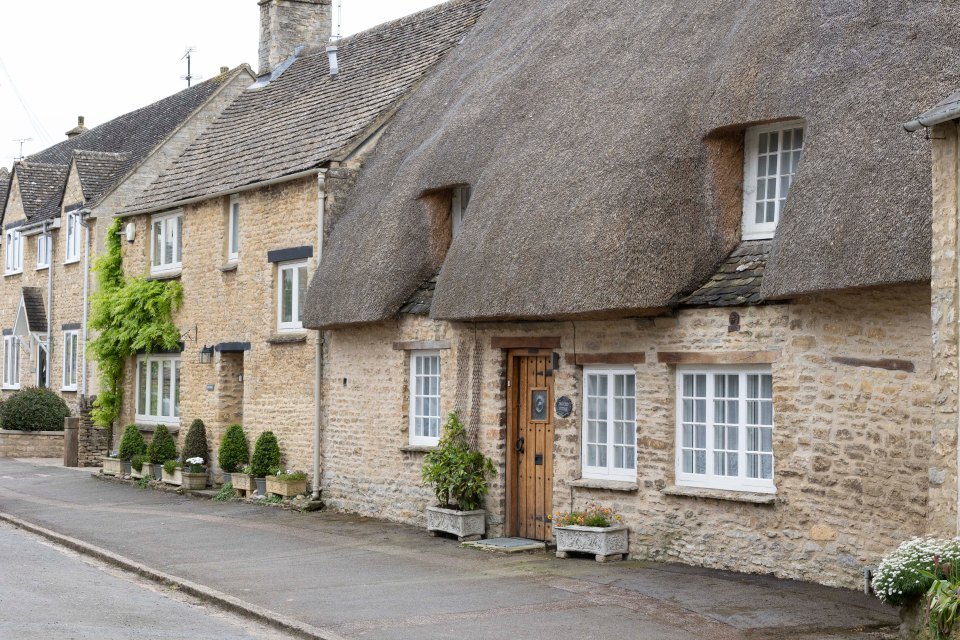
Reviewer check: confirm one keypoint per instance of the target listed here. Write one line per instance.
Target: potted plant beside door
(162, 448)
(458, 474)
(131, 444)
(234, 453)
(266, 458)
(598, 531)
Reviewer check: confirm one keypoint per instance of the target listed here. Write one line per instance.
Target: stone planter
(136, 475)
(157, 472)
(243, 483)
(175, 478)
(112, 467)
(261, 486)
(913, 623)
(193, 481)
(466, 525)
(147, 471)
(604, 543)
(286, 488)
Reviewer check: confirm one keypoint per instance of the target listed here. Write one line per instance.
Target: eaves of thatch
(603, 142)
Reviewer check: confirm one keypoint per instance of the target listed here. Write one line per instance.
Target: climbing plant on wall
(131, 315)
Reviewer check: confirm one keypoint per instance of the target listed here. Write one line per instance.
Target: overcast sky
(60, 59)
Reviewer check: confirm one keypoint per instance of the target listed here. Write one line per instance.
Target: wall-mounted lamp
(131, 232)
(206, 354)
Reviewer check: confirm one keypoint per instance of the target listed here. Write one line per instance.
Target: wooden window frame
(710, 480)
(609, 472)
(176, 368)
(415, 439)
(751, 229)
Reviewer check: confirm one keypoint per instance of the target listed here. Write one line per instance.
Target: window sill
(12, 273)
(720, 494)
(10, 388)
(74, 261)
(165, 275)
(418, 448)
(287, 338)
(227, 268)
(68, 389)
(609, 485)
(150, 428)
(42, 268)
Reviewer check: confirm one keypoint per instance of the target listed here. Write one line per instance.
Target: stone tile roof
(33, 304)
(4, 186)
(419, 303)
(41, 187)
(738, 280)
(305, 117)
(134, 135)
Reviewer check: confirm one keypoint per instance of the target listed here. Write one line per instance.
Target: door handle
(520, 443)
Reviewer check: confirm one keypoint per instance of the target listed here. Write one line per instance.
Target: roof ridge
(397, 22)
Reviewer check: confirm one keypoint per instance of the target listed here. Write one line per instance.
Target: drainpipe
(46, 238)
(318, 369)
(86, 292)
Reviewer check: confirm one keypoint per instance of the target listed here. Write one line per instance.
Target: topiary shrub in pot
(172, 472)
(195, 448)
(33, 409)
(131, 444)
(234, 453)
(136, 465)
(458, 474)
(161, 449)
(266, 458)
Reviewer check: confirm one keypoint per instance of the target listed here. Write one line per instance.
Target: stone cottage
(52, 227)
(676, 262)
(239, 218)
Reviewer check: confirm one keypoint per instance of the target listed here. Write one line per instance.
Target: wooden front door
(530, 444)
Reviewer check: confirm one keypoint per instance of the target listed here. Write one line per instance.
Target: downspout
(318, 369)
(86, 292)
(49, 243)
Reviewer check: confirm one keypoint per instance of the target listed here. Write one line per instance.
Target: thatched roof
(590, 132)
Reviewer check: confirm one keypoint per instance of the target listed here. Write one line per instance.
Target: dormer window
(772, 155)
(460, 200)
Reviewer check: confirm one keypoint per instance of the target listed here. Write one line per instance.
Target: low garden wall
(31, 444)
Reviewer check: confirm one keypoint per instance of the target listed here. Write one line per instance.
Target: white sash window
(609, 424)
(11, 362)
(166, 243)
(14, 252)
(158, 389)
(424, 398)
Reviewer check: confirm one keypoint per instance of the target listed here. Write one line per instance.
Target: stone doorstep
(207, 494)
(507, 545)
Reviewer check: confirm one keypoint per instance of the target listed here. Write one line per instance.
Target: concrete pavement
(349, 577)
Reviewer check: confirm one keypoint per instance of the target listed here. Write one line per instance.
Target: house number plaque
(564, 407)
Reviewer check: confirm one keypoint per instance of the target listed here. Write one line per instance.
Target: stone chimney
(287, 24)
(77, 130)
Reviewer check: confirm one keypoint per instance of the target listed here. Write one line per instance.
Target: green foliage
(290, 476)
(162, 447)
(33, 409)
(137, 462)
(131, 316)
(593, 516)
(170, 466)
(266, 455)
(226, 493)
(131, 444)
(143, 482)
(457, 472)
(234, 450)
(195, 444)
(903, 576)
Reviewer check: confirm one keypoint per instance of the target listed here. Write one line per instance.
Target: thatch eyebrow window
(771, 157)
(459, 202)
(446, 209)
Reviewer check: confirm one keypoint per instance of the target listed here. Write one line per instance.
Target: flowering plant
(907, 573)
(289, 476)
(196, 464)
(593, 516)
(247, 469)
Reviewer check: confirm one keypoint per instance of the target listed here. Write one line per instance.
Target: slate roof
(419, 303)
(305, 117)
(737, 281)
(41, 187)
(33, 304)
(4, 186)
(129, 138)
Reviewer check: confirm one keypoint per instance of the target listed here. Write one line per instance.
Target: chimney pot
(223, 70)
(79, 121)
(77, 130)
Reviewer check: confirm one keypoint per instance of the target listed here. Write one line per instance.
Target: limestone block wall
(93, 443)
(31, 444)
(227, 304)
(851, 436)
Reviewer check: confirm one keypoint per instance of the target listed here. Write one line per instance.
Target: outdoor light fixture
(206, 354)
(131, 232)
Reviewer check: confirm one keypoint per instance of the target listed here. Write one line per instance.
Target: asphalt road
(50, 593)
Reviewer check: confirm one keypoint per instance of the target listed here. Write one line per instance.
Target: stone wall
(851, 437)
(31, 444)
(286, 24)
(93, 443)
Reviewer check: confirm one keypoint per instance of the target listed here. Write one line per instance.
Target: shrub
(234, 450)
(34, 409)
(195, 444)
(162, 447)
(226, 493)
(457, 472)
(905, 575)
(170, 466)
(131, 444)
(266, 455)
(137, 462)
(593, 516)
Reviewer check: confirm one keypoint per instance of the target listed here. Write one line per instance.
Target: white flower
(197, 460)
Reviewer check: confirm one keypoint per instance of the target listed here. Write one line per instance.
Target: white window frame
(709, 479)
(233, 229)
(13, 253)
(296, 322)
(11, 362)
(143, 405)
(459, 203)
(40, 355)
(171, 223)
(71, 234)
(71, 359)
(609, 471)
(751, 229)
(44, 251)
(424, 440)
